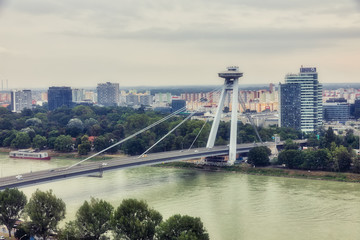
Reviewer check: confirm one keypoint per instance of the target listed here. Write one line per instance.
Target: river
(231, 205)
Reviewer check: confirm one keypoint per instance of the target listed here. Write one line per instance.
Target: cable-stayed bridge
(231, 77)
(114, 164)
(97, 167)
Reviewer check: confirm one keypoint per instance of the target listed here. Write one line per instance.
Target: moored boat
(29, 154)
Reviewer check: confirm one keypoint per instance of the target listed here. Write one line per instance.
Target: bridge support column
(231, 76)
(234, 119)
(215, 124)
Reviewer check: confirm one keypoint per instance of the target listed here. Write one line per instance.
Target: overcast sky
(80, 43)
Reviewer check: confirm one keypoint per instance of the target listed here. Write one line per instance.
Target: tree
(259, 156)
(100, 143)
(33, 122)
(63, 143)
(134, 146)
(22, 140)
(84, 148)
(45, 211)
(9, 138)
(329, 137)
(84, 112)
(342, 159)
(89, 125)
(179, 227)
(356, 164)
(12, 203)
(315, 160)
(85, 145)
(134, 219)
(289, 144)
(26, 112)
(313, 141)
(74, 127)
(29, 131)
(292, 158)
(93, 218)
(119, 131)
(350, 139)
(39, 142)
(5, 124)
(323, 159)
(69, 232)
(4, 111)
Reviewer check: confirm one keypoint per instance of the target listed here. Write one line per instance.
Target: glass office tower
(310, 98)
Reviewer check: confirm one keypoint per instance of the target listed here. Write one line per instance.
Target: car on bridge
(19, 177)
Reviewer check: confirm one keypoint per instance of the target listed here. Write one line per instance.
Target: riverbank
(268, 171)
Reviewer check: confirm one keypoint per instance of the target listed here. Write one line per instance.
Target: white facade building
(20, 99)
(311, 98)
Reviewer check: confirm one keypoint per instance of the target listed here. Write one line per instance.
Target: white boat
(29, 154)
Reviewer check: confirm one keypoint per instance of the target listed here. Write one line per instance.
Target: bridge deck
(116, 163)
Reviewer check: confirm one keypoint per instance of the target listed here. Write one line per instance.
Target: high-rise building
(132, 99)
(108, 94)
(59, 96)
(163, 97)
(290, 102)
(20, 99)
(336, 111)
(356, 109)
(177, 104)
(145, 100)
(311, 98)
(78, 95)
(271, 87)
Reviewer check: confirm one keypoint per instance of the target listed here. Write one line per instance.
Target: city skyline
(80, 43)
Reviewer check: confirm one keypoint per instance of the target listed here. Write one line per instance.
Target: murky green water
(232, 206)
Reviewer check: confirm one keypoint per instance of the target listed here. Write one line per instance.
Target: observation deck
(231, 73)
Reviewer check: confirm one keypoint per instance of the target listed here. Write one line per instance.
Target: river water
(231, 205)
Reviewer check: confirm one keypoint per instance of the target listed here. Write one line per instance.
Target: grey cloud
(134, 8)
(108, 5)
(242, 40)
(358, 2)
(231, 35)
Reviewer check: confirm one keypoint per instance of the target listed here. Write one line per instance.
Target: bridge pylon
(231, 76)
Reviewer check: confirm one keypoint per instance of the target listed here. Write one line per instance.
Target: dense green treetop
(63, 143)
(45, 211)
(114, 123)
(259, 156)
(179, 227)
(134, 219)
(12, 203)
(93, 219)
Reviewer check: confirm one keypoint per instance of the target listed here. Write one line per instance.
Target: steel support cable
(175, 129)
(198, 134)
(214, 91)
(242, 102)
(184, 120)
(133, 135)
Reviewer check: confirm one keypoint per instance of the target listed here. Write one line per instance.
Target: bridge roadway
(38, 177)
